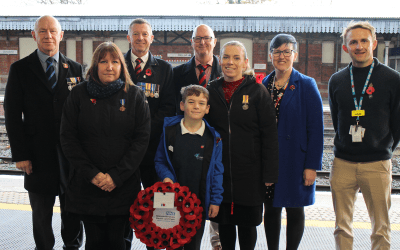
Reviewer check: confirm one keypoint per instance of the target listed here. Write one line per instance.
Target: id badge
(357, 133)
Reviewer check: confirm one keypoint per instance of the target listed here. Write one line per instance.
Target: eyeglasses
(197, 39)
(286, 53)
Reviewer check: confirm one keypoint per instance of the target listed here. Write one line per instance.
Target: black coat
(250, 139)
(164, 106)
(101, 138)
(185, 75)
(36, 136)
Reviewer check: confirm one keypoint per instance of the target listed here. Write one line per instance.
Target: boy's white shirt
(200, 131)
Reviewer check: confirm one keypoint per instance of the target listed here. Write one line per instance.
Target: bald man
(203, 67)
(37, 87)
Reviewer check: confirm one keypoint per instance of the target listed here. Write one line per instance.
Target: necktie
(138, 69)
(50, 72)
(202, 75)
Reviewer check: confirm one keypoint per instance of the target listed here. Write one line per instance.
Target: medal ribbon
(358, 107)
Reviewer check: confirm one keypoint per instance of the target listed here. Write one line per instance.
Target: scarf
(101, 91)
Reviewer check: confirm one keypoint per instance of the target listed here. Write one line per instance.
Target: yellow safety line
(22, 207)
(309, 223)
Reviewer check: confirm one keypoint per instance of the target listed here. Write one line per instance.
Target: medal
(152, 90)
(245, 102)
(148, 86)
(72, 81)
(157, 92)
(122, 102)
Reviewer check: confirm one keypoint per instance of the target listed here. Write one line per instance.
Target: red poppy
(148, 72)
(292, 87)
(93, 100)
(370, 90)
(259, 78)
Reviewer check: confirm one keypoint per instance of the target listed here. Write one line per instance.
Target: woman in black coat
(105, 131)
(242, 112)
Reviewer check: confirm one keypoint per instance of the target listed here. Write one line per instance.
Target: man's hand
(107, 184)
(167, 180)
(213, 211)
(98, 178)
(25, 166)
(309, 176)
(269, 184)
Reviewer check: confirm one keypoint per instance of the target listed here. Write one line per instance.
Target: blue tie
(51, 73)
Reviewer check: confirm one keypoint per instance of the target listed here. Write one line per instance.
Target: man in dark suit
(36, 89)
(155, 77)
(202, 68)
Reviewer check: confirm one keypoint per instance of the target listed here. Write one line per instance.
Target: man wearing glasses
(364, 99)
(203, 67)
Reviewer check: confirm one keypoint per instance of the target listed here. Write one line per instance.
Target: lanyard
(358, 107)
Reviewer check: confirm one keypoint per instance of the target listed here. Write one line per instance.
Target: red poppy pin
(148, 72)
(370, 89)
(93, 101)
(292, 87)
(259, 78)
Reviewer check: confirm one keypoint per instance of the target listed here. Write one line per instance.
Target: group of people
(242, 147)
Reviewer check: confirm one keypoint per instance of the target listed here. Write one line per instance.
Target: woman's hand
(309, 176)
(167, 180)
(107, 184)
(213, 211)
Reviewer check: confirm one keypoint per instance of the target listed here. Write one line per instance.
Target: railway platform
(16, 227)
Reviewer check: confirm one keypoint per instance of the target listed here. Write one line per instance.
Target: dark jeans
(106, 235)
(42, 215)
(272, 225)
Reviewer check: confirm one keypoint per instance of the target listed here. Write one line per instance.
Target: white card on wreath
(164, 200)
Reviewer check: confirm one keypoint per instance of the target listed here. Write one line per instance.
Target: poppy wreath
(141, 217)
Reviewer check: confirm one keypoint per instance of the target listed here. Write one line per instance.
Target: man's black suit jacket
(185, 75)
(156, 71)
(36, 135)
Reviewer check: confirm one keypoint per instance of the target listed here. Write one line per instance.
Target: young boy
(190, 153)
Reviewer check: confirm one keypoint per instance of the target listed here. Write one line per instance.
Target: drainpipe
(387, 43)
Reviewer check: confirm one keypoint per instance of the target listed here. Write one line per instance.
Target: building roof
(221, 18)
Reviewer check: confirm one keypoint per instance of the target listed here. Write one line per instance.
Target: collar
(210, 63)
(198, 132)
(145, 58)
(43, 57)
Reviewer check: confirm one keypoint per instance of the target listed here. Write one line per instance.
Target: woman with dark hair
(242, 112)
(299, 117)
(105, 130)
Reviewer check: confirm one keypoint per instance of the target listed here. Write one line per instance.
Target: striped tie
(138, 69)
(202, 75)
(51, 73)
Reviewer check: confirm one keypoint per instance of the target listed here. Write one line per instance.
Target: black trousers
(106, 235)
(42, 215)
